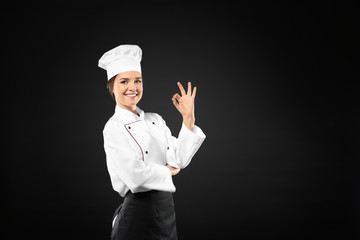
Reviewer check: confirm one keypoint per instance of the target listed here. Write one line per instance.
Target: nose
(132, 87)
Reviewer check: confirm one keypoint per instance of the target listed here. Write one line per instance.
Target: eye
(138, 81)
(123, 82)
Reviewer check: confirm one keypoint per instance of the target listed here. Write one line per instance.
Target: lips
(131, 95)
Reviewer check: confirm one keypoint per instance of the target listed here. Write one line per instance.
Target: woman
(141, 153)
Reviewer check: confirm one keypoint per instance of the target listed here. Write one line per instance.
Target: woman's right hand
(173, 170)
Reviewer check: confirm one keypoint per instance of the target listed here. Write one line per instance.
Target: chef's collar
(127, 116)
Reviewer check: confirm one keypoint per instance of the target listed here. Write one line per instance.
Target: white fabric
(113, 222)
(138, 147)
(120, 59)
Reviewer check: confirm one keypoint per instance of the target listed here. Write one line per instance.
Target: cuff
(196, 132)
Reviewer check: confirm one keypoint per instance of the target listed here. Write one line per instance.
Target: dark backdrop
(277, 100)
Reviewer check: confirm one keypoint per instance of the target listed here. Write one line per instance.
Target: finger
(194, 92)
(189, 89)
(182, 90)
(175, 102)
(177, 96)
(176, 105)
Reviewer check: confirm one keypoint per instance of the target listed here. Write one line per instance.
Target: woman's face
(128, 89)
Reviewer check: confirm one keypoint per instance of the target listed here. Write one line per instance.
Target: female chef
(141, 153)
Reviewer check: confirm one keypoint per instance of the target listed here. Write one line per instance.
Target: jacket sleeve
(125, 163)
(182, 149)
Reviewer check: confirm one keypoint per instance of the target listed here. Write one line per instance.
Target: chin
(132, 102)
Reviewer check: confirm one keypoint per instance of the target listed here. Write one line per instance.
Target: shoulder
(114, 123)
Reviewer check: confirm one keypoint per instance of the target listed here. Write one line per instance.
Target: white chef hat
(120, 59)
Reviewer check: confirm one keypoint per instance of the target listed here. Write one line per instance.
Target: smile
(133, 95)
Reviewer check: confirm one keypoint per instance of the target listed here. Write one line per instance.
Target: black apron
(145, 216)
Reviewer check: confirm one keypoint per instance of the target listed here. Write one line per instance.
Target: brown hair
(110, 86)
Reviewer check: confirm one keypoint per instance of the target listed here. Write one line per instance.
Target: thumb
(176, 104)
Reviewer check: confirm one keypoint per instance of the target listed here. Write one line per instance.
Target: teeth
(131, 95)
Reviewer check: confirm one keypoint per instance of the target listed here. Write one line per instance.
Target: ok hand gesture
(185, 103)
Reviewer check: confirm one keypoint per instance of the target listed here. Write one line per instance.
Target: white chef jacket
(138, 147)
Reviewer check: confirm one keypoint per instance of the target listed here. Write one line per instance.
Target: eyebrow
(137, 78)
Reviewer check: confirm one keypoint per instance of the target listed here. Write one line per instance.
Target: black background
(277, 100)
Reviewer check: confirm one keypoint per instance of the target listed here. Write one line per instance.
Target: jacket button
(129, 127)
(167, 148)
(146, 152)
(153, 123)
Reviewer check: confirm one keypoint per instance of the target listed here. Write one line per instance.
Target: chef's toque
(121, 59)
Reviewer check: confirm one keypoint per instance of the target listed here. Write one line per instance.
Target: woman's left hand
(185, 102)
(173, 170)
